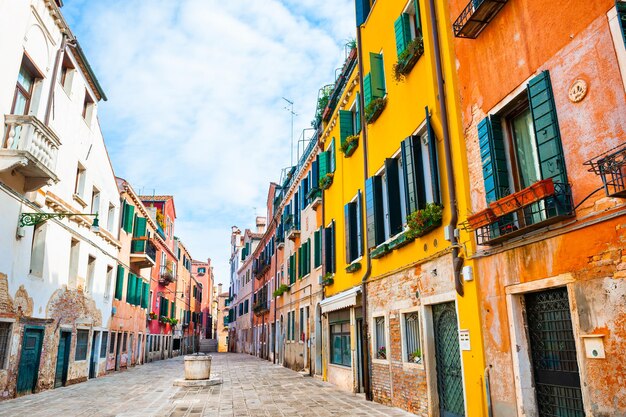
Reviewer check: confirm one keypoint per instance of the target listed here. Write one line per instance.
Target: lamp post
(34, 219)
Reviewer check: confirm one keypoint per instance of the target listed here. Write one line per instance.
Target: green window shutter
(130, 285)
(413, 173)
(374, 211)
(378, 75)
(146, 294)
(308, 255)
(129, 216)
(293, 325)
(402, 29)
(119, 283)
(173, 310)
(140, 227)
(350, 231)
(332, 156)
(547, 132)
(367, 89)
(139, 291)
(358, 236)
(317, 241)
(432, 158)
(357, 114)
(418, 18)
(493, 157)
(300, 262)
(346, 126)
(393, 196)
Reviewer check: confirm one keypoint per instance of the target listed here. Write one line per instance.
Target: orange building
(542, 91)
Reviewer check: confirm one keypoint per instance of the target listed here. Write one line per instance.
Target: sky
(195, 99)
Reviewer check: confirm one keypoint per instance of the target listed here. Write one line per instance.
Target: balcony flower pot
(408, 58)
(350, 145)
(424, 220)
(281, 290)
(400, 241)
(379, 251)
(374, 109)
(326, 181)
(327, 280)
(536, 192)
(482, 218)
(353, 267)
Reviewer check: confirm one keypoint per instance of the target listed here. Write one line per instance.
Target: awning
(339, 301)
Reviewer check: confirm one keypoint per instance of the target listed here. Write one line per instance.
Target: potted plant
(281, 290)
(173, 321)
(164, 319)
(423, 221)
(349, 145)
(327, 279)
(374, 109)
(326, 181)
(152, 315)
(416, 356)
(381, 353)
(536, 192)
(482, 218)
(407, 58)
(379, 251)
(353, 267)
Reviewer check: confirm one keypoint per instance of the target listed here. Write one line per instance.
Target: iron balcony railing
(611, 167)
(544, 212)
(475, 17)
(145, 246)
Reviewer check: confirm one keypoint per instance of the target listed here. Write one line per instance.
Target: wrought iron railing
(143, 245)
(611, 167)
(475, 17)
(542, 213)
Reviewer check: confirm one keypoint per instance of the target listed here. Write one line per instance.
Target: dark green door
(448, 361)
(63, 355)
(29, 361)
(93, 359)
(553, 354)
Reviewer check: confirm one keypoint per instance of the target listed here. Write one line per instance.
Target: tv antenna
(290, 110)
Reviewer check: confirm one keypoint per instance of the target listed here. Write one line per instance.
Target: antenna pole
(290, 110)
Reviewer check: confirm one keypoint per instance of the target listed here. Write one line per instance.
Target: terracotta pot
(482, 218)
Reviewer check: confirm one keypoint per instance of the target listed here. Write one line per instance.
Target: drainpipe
(365, 360)
(457, 262)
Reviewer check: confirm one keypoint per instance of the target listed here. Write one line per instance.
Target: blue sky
(195, 103)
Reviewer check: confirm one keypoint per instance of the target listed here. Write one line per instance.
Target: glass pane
(25, 79)
(347, 358)
(345, 328)
(411, 334)
(336, 349)
(526, 149)
(20, 103)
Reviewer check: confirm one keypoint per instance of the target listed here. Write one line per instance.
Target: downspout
(365, 360)
(457, 262)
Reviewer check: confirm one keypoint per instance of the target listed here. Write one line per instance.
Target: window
(353, 229)
(103, 344)
(79, 186)
(349, 124)
(317, 242)
(82, 339)
(88, 107)
(119, 282)
(411, 335)
(328, 242)
(95, 200)
(38, 250)
(73, 267)
(201, 271)
(5, 336)
(26, 79)
(340, 352)
(91, 265)
(124, 339)
(374, 81)
(245, 307)
(301, 337)
(304, 258)
(111, 218)
(67, 74)
(407, 27)
(113, 341)
(379, 338)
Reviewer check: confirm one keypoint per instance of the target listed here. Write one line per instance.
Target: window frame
(342, 334)
(403, 337)
(81, 331)
(377, 315)
(4, 361)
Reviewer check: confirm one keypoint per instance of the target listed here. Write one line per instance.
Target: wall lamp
(33, 219)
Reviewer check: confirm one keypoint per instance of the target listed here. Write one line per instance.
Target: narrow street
(251, 387)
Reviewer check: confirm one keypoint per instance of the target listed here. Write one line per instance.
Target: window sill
(413, 365)
(340, 366)
(381, 361)
(79, 200)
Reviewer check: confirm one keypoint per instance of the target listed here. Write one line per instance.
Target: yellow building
(399, 230)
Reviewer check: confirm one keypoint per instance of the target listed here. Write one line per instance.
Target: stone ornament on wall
(577, 91)
(23, 303)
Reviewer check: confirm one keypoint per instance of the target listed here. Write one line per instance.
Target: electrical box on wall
(468, 273)
(464, 339)
(594, 346)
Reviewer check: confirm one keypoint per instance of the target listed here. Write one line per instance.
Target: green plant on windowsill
(152, 315)
(423, 221)
(349, 145)
(353, 267)
(326, 181)
(407, 58)
(280, 290)
(416, 356)
(173, 322)
(374, 109)
(381, 353)
(327, 279)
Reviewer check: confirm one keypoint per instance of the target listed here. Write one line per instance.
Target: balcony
(292, 228)
(142, 252)
(315, 196)
(166, 275)
(475, 17)
(528, 216)
(30, 148)
(611, 167)
(260, 308)
(260, 266)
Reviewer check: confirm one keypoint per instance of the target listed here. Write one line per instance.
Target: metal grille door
(448, 357)
(553, 354)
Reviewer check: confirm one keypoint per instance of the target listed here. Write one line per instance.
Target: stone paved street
(252, 387)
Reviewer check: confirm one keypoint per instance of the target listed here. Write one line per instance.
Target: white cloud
(195, 107)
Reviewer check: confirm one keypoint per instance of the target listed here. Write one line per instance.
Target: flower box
(379, 251)
(424, 220)
(350, 145)
(400, 241)
(482, 218)
(327, 281)
(353, 267)
(527, 196)
(374, 109)
(326, 181)
(408, 58)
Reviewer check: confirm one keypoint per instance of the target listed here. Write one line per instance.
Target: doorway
(118, 352)
(360, 358)
(28, 369)
(448, 361)
(93, 360)
(63, 359)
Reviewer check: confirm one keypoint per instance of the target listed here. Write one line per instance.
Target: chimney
(260, 224)
(219, 288)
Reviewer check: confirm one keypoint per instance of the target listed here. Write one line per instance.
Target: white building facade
(57, 276)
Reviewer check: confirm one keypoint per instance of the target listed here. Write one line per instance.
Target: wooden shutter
(378, 75)
(367, 89)
(357, 114)
(146, 295)
(432, 158)
(350, 210)
(413, 173)
(119, 283)
(138, 289)
(328, 238)
(393, 196)
(374, 211)
(129, 216)
(418, 18)
(140, 227)
(346, 126)
(493, 157)
(332, 156)
(300, 262)
(315, 174)
(323, 165)
(173, 309)
(402, 29)
(333, 252)
(130, 288)
(362, 11)
(546, 125)
(346, 220)
(359, 225)
(317, 242)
